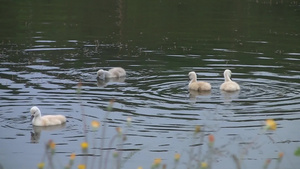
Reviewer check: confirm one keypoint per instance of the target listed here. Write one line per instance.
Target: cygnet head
(192, 75)
(101, 74)
(35, 111)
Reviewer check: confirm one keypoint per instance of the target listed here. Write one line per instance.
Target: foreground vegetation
(204, 162)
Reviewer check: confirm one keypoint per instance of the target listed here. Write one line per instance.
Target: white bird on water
(198, 85)
(229, 85)
(116, 72)
(48, 120)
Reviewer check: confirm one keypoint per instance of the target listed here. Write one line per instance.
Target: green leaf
(297, 152)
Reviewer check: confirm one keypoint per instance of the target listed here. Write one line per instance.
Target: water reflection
(37, 131)
(104, 82)
(228, 97)
(193, 94)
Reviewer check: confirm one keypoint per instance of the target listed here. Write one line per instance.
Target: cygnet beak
(31, 117)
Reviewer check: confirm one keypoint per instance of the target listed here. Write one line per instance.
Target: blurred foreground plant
(81, 166)
(177, 157)
(41, 165)
(204, 165)
(95, 124)
(84, 145)
(156, 163)
(71, 161)
(270, 124)
(297, 152)
(200, 160)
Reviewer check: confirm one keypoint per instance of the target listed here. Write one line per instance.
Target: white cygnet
(47, 120)
(229, 85)
(111, 73)
(198, 86)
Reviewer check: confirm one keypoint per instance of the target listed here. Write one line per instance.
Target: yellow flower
(111, 101)
(211, 138)
(140, 167)
(177, 157)
(79, 84)
(79, 87)
(119, 130)
(110, 106)
(270, 124)
(129, 121)
(84, 145)
(280, 155)
(41, 165)
(81, 166)
(72, 156)
(157, 162)
(204, 165)
(267, 162)
(95, 124)
(197, 129)
(51, 145)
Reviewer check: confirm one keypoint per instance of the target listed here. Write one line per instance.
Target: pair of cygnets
(50, 120)
(228, 85)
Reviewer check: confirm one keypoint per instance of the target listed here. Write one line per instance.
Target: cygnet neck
(37, 115)
(227, 76)
(193, 77)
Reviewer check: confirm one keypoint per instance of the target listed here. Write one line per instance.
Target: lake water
(48, 48)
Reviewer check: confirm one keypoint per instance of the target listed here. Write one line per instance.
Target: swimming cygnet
(111, 73)
(47, 120)
(229, 85)
(198, 86)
